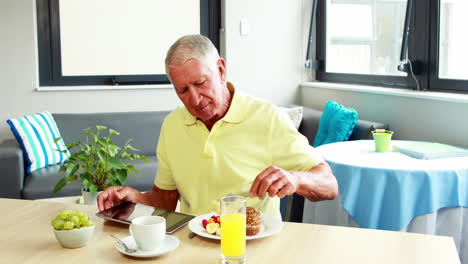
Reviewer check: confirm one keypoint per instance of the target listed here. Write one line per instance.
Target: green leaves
(145, 159)
(102, 155)
(103, 142)
(71, 169)
(122, 175)
(113, 150)
(99, 163)
(113, 132)
(60, 184)
(119, 177)
(116, 163)
(70, 146)
(130, 147)
(93, 188)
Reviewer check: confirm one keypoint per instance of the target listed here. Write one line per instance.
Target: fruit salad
(213, 225)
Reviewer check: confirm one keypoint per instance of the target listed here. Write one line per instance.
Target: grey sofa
(143, 128)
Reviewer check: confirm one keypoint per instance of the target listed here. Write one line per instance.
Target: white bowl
(74, 238)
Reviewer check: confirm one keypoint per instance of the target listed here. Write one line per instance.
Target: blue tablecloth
(387, 190)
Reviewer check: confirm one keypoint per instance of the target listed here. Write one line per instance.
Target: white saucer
(170, 243)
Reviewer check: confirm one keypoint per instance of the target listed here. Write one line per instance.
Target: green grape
(88, 223)
(65, 214)
(75, 220)
(69, 219)
(80, 214)
(58, 224)
(68, 225)
(83, 218)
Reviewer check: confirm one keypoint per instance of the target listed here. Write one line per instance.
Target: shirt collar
(235, 113)
(189, 119)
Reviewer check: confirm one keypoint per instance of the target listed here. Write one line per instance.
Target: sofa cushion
(40, 183)
(294, 114)
(36, 135)
(336, 124)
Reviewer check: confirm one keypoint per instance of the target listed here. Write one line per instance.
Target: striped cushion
(36, 135)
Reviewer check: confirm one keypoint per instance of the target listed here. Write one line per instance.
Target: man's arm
(155, 197)
(317, 184)
(164, 199)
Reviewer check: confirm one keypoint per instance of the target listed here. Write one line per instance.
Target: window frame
(436, 83)
(424, 53)
(49, 49)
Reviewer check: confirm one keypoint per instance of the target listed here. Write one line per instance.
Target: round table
(387, 190)
(393, 191)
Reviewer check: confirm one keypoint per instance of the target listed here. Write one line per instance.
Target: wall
(266, 63)
(18, 73)
(411, 118)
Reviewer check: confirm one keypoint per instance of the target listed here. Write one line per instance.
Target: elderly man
(222, 142)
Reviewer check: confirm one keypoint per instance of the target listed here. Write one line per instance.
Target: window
(110, 42)
(360, 41)
(449, 46)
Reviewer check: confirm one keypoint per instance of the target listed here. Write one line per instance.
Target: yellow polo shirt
(206, 165)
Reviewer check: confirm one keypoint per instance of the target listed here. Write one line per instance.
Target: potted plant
(99, 163)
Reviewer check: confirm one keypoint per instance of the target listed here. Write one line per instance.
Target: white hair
(189, 47)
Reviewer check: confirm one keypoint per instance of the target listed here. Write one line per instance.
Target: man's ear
(222, 69)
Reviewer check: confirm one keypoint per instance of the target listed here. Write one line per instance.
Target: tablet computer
(127, 211)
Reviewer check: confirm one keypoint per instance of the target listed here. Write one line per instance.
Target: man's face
(200, 88)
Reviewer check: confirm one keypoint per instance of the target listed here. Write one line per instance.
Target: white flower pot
(90, 199)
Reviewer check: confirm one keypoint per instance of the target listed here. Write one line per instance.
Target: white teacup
(148, 231)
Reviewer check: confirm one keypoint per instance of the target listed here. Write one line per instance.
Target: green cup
(382, 139)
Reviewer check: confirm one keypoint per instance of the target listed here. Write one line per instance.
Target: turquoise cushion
(336, 124)
(36, 135)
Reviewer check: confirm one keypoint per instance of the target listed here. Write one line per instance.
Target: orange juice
(233, 235)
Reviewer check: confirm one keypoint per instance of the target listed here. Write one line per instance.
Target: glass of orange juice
(233, 220)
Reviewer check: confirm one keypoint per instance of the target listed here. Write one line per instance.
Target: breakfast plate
(270, 226)
(170, 243)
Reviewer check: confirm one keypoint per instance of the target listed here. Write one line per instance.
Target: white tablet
(126, 212)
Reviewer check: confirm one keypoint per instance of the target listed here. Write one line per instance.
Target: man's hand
(115, 195)
(317, 184)
(274, 181)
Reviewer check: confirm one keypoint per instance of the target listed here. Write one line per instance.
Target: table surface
(362, 153)
(28, 238)
(387, 190)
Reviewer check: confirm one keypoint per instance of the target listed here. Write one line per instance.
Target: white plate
(170, 243)
(270, 225)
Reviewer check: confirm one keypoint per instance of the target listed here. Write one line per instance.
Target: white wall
(266, 63)
(411, 118)
(18, 74)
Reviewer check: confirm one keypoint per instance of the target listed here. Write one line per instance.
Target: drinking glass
(382, 140)
(233, 223)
